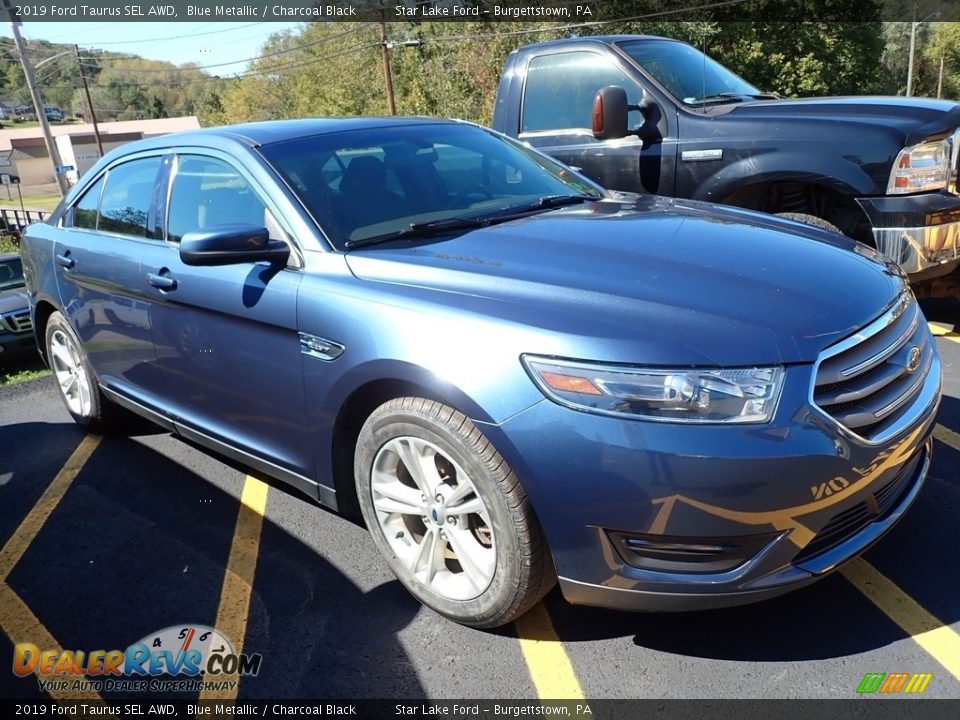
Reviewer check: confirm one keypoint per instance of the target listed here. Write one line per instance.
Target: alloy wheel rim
(69, 371)
(433, 518)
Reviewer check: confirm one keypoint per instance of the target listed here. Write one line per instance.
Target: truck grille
(867, 382)
(17, 322)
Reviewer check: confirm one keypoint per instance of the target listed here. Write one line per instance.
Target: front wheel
(813, 220)
(448, 515)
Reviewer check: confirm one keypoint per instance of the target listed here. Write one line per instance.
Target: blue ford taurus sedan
(515, 376)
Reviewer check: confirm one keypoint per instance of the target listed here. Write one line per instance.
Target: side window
(127, 197)
(206, 192)
(560, 89)
(85, 211)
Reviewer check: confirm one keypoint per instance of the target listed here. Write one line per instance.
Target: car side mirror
(232, 244)
(610, 110)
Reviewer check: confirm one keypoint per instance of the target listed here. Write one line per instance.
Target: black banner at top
(558, 11)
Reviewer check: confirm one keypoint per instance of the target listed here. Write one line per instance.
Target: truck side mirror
(610, 113)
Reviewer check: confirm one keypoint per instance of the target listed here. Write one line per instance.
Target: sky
(208, 43)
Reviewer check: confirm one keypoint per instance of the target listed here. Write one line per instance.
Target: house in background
(77, 145)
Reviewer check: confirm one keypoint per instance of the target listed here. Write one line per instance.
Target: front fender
(843, 176)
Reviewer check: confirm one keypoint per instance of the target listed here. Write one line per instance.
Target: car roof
(604, 39)
(8, 256)
(273, 131)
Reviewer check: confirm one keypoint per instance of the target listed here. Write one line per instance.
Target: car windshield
(381, 182)
(11, 274)
(686, 73)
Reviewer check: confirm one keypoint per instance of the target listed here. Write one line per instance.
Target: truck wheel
(448, 515)
(78, 385)
(811, 220)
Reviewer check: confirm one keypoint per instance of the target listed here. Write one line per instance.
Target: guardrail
(13, 221)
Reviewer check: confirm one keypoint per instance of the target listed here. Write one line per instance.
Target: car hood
(914, 118)
(13, 299)
(657, 280)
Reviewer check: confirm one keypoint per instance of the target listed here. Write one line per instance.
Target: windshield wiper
(444, 225)
(418, 230)
(731, 97)
(543, 203)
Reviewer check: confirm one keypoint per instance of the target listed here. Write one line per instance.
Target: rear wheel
(75, 379)
(448, 515)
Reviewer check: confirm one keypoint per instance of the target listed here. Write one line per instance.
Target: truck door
(556, 115)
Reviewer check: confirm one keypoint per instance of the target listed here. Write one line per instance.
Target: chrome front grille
(868, 382)
(17, 322)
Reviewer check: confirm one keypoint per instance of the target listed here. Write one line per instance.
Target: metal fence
(13, 221)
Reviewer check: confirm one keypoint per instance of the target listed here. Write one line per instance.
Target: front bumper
(819, 494)
(921, 233)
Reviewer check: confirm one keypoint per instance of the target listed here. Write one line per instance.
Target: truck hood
(13, 299)
(654, 280)
(915, 118)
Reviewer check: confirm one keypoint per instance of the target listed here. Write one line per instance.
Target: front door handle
(65, 260)
(162, 282)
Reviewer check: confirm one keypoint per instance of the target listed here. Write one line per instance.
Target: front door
(556, 118)
(227, 336)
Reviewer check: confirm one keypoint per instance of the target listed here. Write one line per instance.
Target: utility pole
(86, 90)
(913, 43)
(940, 80)
(37, 102)
(387, 75)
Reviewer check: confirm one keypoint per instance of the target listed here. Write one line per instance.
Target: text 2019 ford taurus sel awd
(515, 375)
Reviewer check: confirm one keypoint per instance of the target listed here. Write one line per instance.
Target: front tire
(448, 514)
(76, 381)
(813, 220)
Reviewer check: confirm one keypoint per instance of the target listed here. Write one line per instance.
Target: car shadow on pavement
(140, 542)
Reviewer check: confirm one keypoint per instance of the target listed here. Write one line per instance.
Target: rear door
(226, 336)
(98, 251)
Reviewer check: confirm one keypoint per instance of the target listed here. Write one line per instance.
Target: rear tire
(76, 381)
(448, 514)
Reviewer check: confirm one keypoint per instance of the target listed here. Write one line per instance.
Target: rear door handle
(65, 260)
(163, 282)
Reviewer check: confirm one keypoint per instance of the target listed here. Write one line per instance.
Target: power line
(275, 53)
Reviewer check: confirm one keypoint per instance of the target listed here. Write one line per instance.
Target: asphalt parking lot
(104, 541)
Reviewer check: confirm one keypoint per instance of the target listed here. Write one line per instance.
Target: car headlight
(921, 168)
(741, 395)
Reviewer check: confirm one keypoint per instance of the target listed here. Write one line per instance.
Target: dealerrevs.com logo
(202, 656)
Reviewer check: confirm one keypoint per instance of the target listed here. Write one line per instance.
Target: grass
(27, 369)
(7, 245)
(39, 202)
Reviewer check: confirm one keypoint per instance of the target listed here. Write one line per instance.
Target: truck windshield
(11, 274)
(418, 180)
(686, 73)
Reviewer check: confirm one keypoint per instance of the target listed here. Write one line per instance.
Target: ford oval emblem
(913, 359)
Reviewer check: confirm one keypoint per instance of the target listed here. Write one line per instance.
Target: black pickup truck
(882, 170)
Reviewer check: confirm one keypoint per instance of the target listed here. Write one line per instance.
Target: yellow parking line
(238, 578)
(947, 436)
(21, 625)
(24, 535)
(945, 333)
(548, 663)
(936, 637)
(16, 618)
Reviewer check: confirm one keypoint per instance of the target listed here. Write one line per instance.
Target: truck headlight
(921, 168)
(741, 395)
